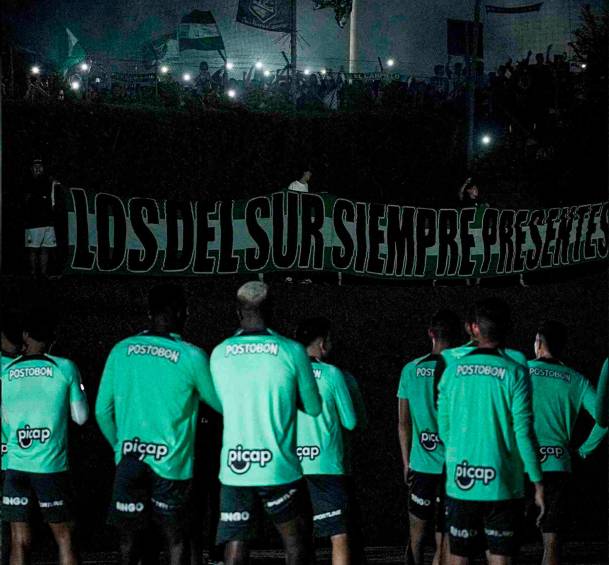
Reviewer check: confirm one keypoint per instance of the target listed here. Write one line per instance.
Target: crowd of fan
(523, 94)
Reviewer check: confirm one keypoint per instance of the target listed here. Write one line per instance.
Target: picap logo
(429, 440)
(240, 460)
(547, 451)
(307, 452)
(143, 449)
(26, 436)
(466, 475)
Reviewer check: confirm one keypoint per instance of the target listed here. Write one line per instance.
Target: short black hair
(166, 297)
(310, 329)
(40, 324)
(554, 334)
(445, 325)
(12, 327)
(493, 317)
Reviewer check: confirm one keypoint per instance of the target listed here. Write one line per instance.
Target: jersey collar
(37, 357)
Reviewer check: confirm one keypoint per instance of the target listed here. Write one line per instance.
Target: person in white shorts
(39, 219)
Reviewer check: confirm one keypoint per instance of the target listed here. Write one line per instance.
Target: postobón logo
(240, 460)
(143, 449)
(429, 440)
(466, 475)
(308, 452)
(547, 451)
(26, 436)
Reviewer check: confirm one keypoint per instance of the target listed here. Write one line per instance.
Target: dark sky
(411, 31)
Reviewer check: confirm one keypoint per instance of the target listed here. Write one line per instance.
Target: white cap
(253, 293)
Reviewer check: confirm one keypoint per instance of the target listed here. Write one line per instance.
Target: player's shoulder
(516, 355)
(330, 372)
(64, 364)
(412, 364)
(193, 351)
(290, 345)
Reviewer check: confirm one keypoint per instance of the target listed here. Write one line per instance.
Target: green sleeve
(588, 400)
(403, 386)
(203, 381)
(594, 439)
(346, 411)
(602, 396)
(443, 400)
(522, 417)
(307, 388)
(358, 401)
(79, 407)
(104, 406)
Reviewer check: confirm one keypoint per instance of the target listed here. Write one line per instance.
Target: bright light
(84, 67)
(259, 65)
(97, 80)
(307, 71)
(390, 62)
(230, 66)
(584, 65)
(186, 77)
(486, 139)
(267, 73)
(231, 93)
(164, 69)
(35, 70)
(323, 71)
(75, 85)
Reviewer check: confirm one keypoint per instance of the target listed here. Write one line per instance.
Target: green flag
(74, 53)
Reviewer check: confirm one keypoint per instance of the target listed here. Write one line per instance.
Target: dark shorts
(238, 508)
(426, 497)
(330, 504)
(52, 492)
(472, 525)
(555, 486)
(139, 495)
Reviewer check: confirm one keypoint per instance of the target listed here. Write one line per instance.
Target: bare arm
(405, 433)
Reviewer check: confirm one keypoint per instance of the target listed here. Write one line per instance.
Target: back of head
(312, 328)
(253, 298)
(445, 326)
(166, 299)
(492, 315)
(554, 336)
(39, 325)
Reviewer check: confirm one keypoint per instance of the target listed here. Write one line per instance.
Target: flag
(513, 10)
(199, 30)
(160, 49)
(342, 9)
(271, 15)
(73, 53)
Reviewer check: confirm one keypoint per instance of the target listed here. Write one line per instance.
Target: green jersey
(37, 394)
(148, 401)
(416, 386)
(4, 360)
(320, 445)
(559, 393)
(602, 396)
(260, 376)
(486, 423)
(455, 353)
